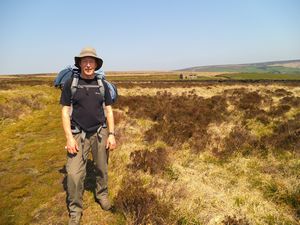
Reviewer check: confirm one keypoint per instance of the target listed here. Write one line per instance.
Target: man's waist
(75, 128)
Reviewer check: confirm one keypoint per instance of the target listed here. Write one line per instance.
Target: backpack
(69, 72)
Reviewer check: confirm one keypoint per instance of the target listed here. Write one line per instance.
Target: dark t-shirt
(87, 111)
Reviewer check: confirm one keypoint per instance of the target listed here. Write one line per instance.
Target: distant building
(188, 76)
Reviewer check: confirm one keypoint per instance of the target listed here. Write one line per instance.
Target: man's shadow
(90, 178)
(89, 181)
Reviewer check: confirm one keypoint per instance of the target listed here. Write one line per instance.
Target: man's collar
(85, 78)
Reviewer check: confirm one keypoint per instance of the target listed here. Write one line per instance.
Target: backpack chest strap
(75, 86)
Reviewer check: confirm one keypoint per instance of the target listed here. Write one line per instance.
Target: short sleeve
(65, 98)
(107, 95)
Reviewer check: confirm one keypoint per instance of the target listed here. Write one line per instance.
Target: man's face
(88, 66)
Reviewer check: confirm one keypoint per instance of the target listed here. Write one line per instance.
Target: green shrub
(139, 205)
(154, 162)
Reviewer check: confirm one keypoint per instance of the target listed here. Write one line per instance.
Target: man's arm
(111, 141)
(71, 145)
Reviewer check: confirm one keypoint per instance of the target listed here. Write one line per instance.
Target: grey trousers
(76, 169)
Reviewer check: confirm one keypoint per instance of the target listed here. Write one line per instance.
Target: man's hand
(72, 146)
(111, 142)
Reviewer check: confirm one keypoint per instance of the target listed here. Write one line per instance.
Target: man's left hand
(111, 142)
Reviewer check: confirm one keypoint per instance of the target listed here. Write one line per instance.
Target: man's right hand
(72, 146)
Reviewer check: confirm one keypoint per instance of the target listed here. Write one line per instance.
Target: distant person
(89, 126)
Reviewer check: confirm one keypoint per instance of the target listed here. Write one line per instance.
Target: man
(88, 125)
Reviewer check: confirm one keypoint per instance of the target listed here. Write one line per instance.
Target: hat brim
(99, 61)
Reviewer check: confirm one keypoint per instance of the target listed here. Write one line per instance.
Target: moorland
(217, 150)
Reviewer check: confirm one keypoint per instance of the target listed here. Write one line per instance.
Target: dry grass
(205, 91)
(165, 73)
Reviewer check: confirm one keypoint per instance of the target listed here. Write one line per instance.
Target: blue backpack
(69, 72)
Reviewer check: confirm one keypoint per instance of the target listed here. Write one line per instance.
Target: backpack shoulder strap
(74, 87)
(101, 87)
(74, 84)
(102, 93)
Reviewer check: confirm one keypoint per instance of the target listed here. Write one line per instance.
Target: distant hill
(277, 67)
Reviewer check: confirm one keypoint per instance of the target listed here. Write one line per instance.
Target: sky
(40, 36)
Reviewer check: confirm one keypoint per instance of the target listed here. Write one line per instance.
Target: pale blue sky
(39, 36)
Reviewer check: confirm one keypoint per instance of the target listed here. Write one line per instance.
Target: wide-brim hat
(88, 52)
